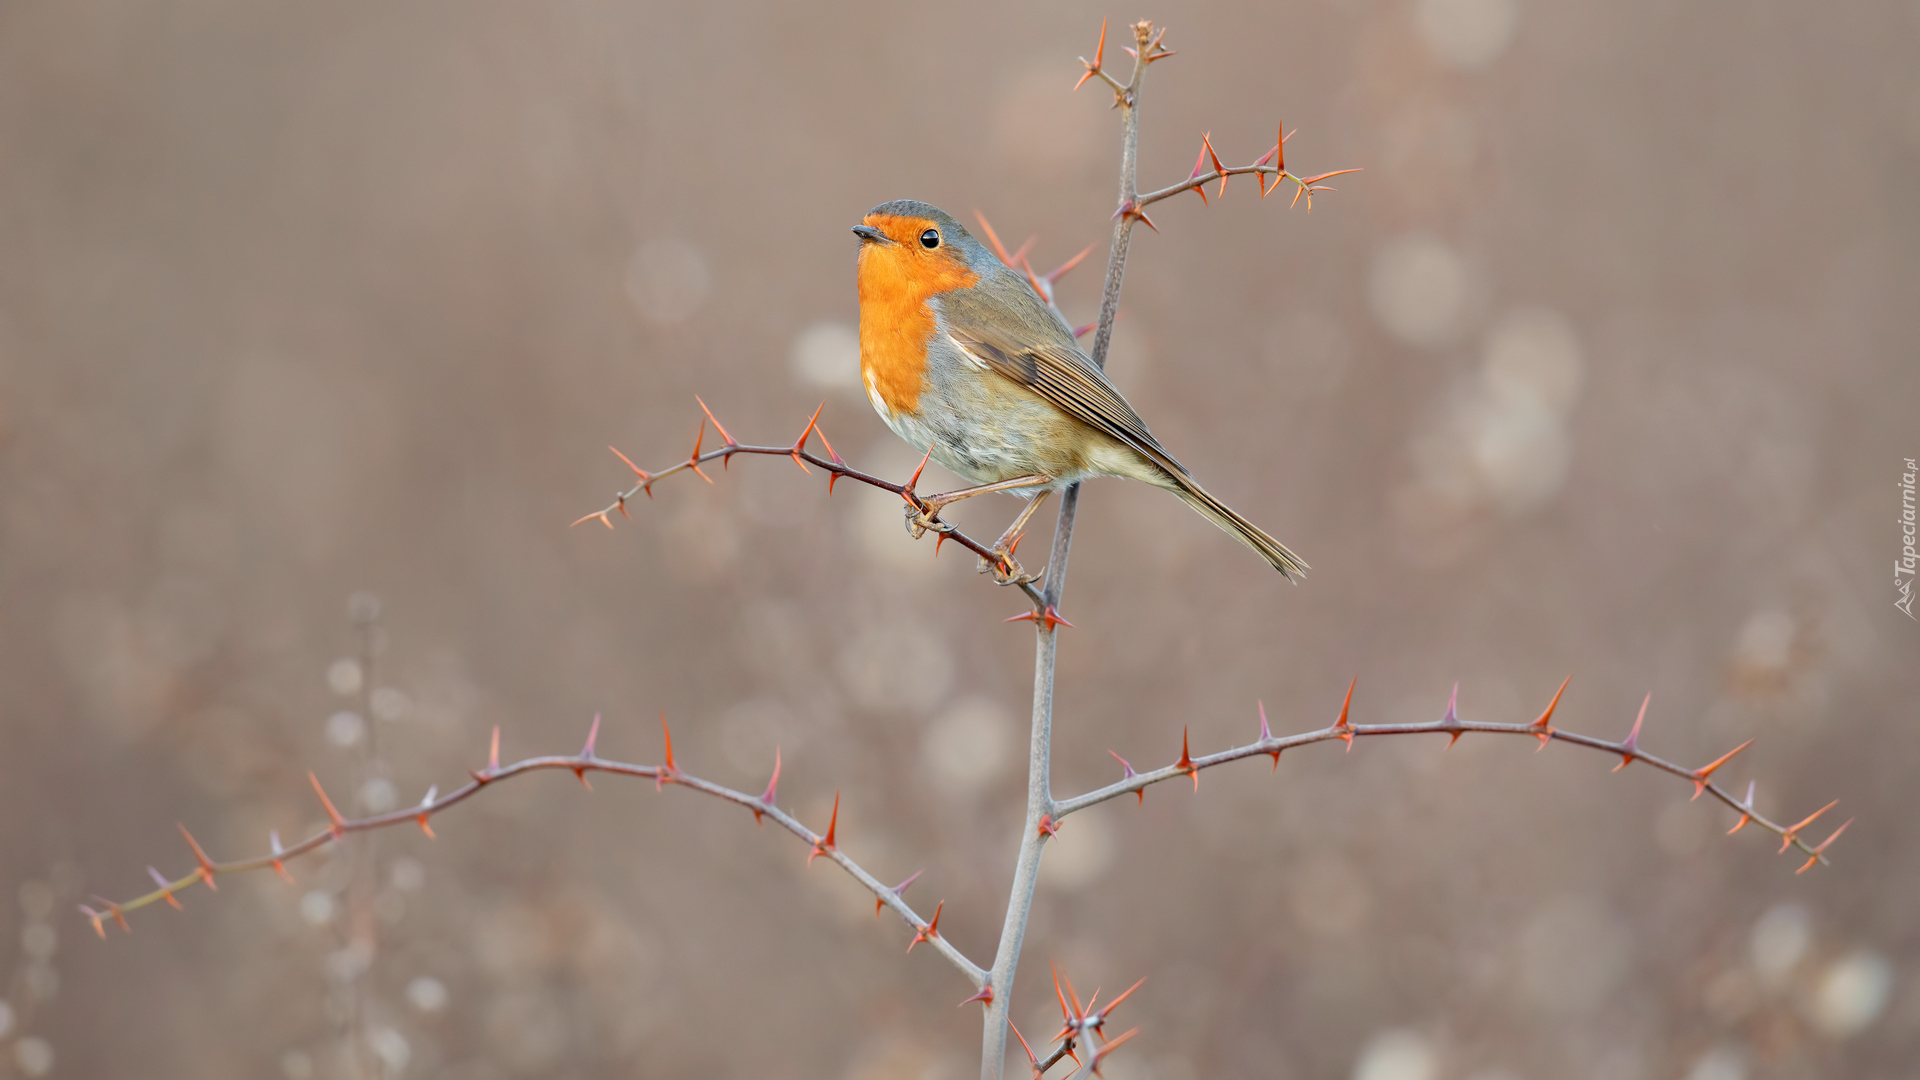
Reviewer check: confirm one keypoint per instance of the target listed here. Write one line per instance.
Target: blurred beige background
(1605, 366)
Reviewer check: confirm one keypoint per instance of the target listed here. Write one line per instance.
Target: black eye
(930, 238)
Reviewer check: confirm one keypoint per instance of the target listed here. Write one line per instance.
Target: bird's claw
(1006, 569)
(921, 521)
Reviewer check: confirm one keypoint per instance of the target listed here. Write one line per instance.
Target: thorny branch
(835, 467)
(1451, 725)
(586, 761)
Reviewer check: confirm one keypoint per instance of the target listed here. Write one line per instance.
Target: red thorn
(914, 480)
(766, 797)
(1185, 764)
(1746, 811)
(620, 501)
(1207, 142)
(1280, 149)
(1451, 722)
(1020, 253)
(985, 997)
(643, 474)
(801, 443)
(1540, 728)
(929, 931)
(1113, 1044)
(1078, 1010)
(1701, 774)
(1789, 836)
(1099, 55)
(1343, 729)
(1115, 1003)
(279, 866)
(337, 825)
(938, 539)
(693, 459)
(206, 865)
(1061, 270)
(1083, 331)
(1047, 826)
(1266, 734)
(1627, 746)
(993, 238)
(601, 517)
(1199, 167)
(1034, 1061)
(832, 478)
(665, 773)
(166, 888)
(716, 422)
(898, 890)
(1051, 616)
(119, 916)
(1815, 857)
(1127, 774)
(826, 843)
(426, 808)
(99, 927)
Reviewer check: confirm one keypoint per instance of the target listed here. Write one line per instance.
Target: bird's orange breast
(896, 281)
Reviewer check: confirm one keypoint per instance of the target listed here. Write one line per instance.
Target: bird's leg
(1007, 569)
(923, 514)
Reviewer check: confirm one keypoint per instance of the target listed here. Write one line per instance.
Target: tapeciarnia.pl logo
(1905, 563)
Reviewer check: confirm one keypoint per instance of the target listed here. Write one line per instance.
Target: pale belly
(987, 430)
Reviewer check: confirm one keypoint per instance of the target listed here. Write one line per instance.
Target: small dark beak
(870, 235)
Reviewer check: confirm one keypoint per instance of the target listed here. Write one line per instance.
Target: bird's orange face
(904, 261)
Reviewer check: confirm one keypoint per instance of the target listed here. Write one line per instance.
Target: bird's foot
(925, 518)
(1006, 569)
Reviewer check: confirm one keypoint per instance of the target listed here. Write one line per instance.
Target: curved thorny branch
(819, 845)
(832, 463)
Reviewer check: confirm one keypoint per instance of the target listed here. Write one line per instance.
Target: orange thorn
(601, 517)
(1701, 774)
(1020, 253)
(1099, 55)
(899, 890)
(665, 772)
(1062, 270)
(693, 459)
(100, 928)
(1199, 166)
(801, 443)
(826, 843)
(716, 422)
(985, 996)
(992, 238)
(1051, 617)
(1343, 729)
(914, 480)
(166, 888)
(1114, 1044)
(637, 470)
(1789, 836)
(929, 931)
(1746, 811)
(1815, 857)
(337, 825)
(1540, 729)
(1266, 734)
(1078, 1010)
(620, 501)
(766, 797)
(1185, 764)
(1031, 1060)
(1632, 740)
(1047, 826)
(938, 539)
(1451, 722)
(1206, 141)
(1115, 1003)
(206, 865)
(586, 753)
(493, 751)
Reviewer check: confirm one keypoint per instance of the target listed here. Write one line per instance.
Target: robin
(961, 357)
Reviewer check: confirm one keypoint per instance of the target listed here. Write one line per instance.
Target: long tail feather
(1236, 526)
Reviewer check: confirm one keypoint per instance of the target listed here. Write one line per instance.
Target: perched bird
(961, 356)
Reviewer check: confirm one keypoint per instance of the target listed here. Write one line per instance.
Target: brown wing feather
(1044, 358)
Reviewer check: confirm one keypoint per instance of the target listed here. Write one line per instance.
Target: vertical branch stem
(1040, 805)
